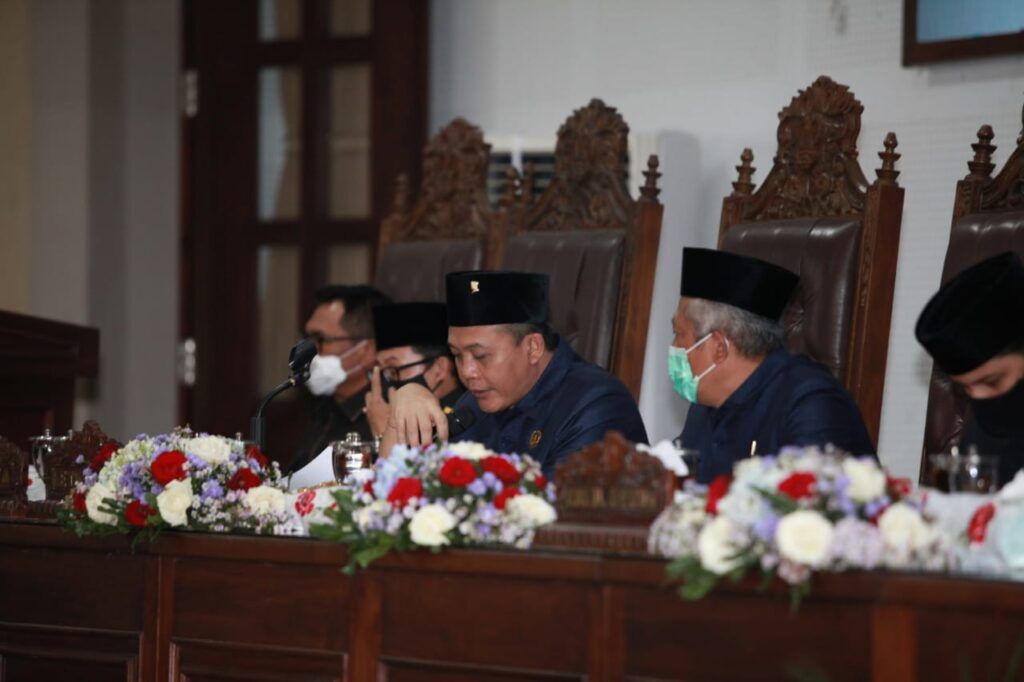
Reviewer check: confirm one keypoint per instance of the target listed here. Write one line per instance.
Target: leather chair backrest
(414, 271)
(585, 270)
(823, 252)
(973, 238)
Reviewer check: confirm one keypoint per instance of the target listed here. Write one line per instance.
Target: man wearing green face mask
(749, 395)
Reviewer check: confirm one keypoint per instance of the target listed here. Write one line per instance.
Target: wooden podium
(39, 362)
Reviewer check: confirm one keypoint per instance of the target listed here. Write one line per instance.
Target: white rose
(174, 502)
(212, 449)
(532, 510)
(804, 537)
(716, 546)
(469, 450)
(903, 528)
(867, 480)
(429, 525)
(94, 498)
(265, 500)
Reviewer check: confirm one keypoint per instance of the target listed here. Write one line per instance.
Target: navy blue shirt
(571, 406)
(788, 400)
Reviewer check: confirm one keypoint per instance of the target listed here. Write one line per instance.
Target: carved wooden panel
(453, 202)
(47, 653)
(209, 661)
(13, 472)
(611, 482)
(485, 624)
(589, 189)
(815, 171)
(62, 471)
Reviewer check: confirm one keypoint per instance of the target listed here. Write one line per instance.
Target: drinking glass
(971, 473)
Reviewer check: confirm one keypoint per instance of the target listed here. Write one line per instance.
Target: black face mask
(1002, 416)
(386, 384)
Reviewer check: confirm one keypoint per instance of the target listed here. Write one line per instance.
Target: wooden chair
(988, 218)
(598, 244)
(447, 229)
(816, 214)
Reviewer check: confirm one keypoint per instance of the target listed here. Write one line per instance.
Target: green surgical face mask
(681, 373)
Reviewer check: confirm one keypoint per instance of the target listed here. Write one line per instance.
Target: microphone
(460, 420)
(301, 354)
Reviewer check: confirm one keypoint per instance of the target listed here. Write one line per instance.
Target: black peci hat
(481, 297)
(410, 324)
(748, 283)
(975, 315)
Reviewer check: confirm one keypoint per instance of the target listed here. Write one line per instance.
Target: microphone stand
(257, 425)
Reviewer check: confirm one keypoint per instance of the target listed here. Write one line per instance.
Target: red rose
(540, 481)
(168, 466)
(243, 480)
(137, 513)
(716, 491)
(404, 490)
(457, 472)
(304, 502)
(502, 468)
(78, 502)
(368, 487)
(898, 487)
(798, 485)
(502, 498)
(253, 452)
(978, 526)
(104, 455)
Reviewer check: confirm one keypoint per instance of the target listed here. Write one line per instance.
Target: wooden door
(307, 110)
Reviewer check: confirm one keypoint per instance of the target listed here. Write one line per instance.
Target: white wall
(101, 164)
(720, 70)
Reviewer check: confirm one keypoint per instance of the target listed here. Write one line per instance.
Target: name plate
(610, 482)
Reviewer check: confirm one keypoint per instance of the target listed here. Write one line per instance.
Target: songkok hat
(975, 315)
(748, 283)
(480, 297)
(410, 324)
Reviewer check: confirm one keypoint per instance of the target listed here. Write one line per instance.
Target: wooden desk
(202, 607)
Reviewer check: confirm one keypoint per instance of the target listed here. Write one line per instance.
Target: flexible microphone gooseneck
(299, 358)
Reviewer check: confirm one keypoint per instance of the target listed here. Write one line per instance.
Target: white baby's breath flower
(867, 480)
(429, 525)
(530, 510)
(716, 545)
(365, 515)
(93, 499)
(903, 528)
(469, 450)
(264, 499)
(804, 537)
(211, 449)
(174, 502)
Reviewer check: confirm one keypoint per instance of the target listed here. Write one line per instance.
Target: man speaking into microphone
(528, 391)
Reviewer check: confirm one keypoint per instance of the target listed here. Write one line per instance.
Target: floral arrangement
(453, 494)
(178, 480)
(791, 515)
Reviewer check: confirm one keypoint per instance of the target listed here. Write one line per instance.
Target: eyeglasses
(319, 339)
(391, 373)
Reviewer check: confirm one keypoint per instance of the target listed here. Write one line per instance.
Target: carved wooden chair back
(447, 228)
(816, 214)
(598, 244)
(988, 218)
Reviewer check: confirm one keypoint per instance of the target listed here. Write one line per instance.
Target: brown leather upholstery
(816, 214)
(448, 226)
(824, 253)
(973, 238)
(414, 271)
(598, 244)
(585, 270)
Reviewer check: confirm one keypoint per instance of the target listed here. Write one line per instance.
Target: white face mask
(326, 372)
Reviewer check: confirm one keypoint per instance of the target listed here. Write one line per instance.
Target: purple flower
(477, 487)
(212, 490)
(80, 459)
(764, 528)
(489, 479)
